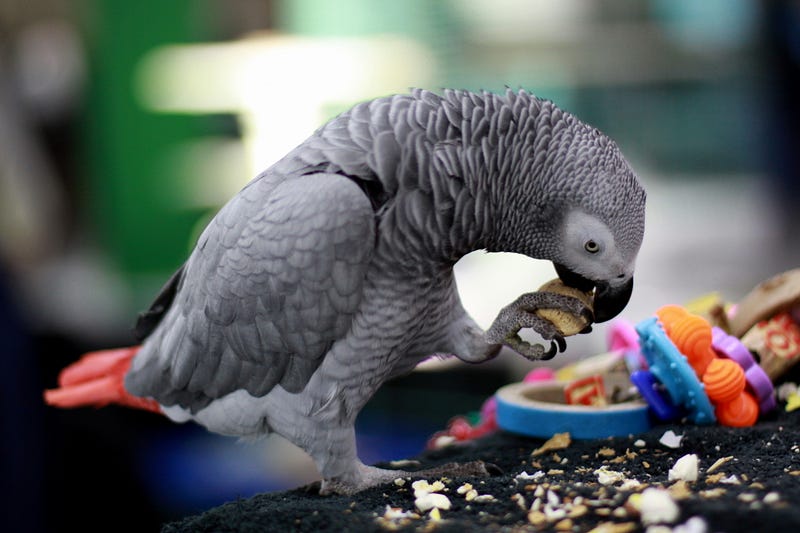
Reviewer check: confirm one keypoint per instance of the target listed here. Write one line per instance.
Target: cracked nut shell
(566, 323)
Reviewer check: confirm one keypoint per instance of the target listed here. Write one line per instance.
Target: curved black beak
(571, 279)
(609, 300)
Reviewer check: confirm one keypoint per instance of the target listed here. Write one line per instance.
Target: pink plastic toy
(540, 374)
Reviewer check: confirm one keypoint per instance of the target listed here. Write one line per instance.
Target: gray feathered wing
(274, 281)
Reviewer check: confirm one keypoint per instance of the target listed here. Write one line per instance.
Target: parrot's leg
(522, 314)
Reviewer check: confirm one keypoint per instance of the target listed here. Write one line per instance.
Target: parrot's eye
(591, 247)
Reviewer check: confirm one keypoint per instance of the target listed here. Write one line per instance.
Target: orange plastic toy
(724, 380)
(741, 412)
(725, 383)
(668, 314)
(692, 336)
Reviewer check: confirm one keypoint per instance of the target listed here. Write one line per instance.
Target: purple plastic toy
(757, 380)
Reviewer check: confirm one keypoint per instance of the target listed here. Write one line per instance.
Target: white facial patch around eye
(583, 233)
(580, 228)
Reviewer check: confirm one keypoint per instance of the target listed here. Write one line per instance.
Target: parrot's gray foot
(536, 352)
(371, 476)
(522, 314)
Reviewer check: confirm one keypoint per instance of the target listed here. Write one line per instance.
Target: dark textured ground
(766, 461)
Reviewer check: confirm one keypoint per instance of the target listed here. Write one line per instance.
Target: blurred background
(125, 125)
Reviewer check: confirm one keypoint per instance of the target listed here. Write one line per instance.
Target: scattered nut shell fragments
(608, 477)
(559, 441)
(427, 496)
(395, 518)
(680, 490)
(535, 477)
(718, 463)
(422, 487)
(655, 506)
(607, 469)
(519, 499)
(566, 323)
(670, 439)
(685, 468)
(432, 500)
(614, 527)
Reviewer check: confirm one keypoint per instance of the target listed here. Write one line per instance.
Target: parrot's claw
(562, 344)
(315, 487)
(535, 352)
(522, 314)
(552, 352)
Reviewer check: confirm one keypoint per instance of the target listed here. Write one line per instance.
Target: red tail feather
(97, 379)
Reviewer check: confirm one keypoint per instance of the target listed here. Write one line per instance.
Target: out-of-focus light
(509, 21)
(488, 282)
(205, 172)
(281, 87)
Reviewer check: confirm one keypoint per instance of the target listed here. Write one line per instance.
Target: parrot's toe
(493, 469)
(562, 344)
(535, 352)
(458, 470)
(371, 476)
(516, 316)
(552, 352)
(315, 487)
(525, 313)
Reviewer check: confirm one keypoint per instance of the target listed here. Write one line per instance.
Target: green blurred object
(436, 24)
(128, 146)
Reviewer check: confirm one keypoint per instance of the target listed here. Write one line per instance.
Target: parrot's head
(578, 204)
(591, 255)
(598, 219)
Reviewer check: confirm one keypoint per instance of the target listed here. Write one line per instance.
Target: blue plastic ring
(532, 409)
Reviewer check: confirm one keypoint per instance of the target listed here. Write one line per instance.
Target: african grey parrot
(332, 271)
